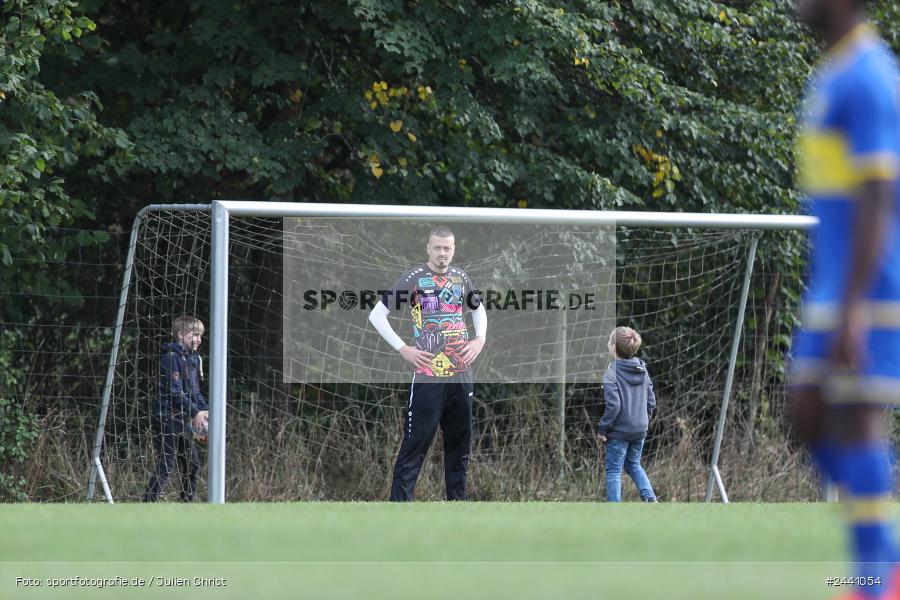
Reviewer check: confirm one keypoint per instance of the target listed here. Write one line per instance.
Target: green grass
(428, 550)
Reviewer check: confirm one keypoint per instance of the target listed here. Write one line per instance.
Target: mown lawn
(424, 550)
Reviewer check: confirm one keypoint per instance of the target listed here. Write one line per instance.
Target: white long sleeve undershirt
(378, 318)
(479, 320)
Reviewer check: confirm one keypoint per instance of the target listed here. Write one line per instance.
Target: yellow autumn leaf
(369, 95)
(412, 137)
(296, 96)
(377, 171)
(373, 105)
(643, 152)
(401, 161)
(523, 203)
(660, 175)
(396, 126)
(658, 133)
(658, 192)
(722, 16)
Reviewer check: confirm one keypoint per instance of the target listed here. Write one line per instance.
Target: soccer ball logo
(348, 299)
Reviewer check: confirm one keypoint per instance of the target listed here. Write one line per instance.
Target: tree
(671, 105)
(43, 135)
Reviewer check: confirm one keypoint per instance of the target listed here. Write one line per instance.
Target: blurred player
(847, 354)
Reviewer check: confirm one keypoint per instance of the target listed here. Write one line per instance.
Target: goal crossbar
(537, 216)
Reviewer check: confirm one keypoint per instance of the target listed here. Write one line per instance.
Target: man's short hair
(186, 323)
(439, 231)
(626, 341)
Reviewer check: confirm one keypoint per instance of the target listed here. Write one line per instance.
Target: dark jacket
(630, 401)
(179, 394)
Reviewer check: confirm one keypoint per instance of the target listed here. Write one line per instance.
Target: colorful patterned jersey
(436, 303)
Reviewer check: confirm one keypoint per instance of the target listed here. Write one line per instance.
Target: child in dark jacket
(630, 402)
(179, 409)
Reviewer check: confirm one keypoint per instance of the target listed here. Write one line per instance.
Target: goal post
(714, 476)
(222, 213)
(96, 466)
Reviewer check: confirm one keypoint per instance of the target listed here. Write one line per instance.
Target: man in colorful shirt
(435, 295)
(846, 366)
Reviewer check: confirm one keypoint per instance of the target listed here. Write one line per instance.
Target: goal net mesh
(336, 438)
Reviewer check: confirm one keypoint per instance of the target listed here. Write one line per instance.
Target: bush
(18, 431)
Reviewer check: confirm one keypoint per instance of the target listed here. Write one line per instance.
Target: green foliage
(43, 135)
(669, 105)
(18, 431)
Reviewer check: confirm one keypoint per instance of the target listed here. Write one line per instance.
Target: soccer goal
(311, 400)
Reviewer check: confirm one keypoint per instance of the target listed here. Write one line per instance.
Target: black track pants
(173, 444)
(433, 403)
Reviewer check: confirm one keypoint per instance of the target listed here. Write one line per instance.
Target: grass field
(426, 550)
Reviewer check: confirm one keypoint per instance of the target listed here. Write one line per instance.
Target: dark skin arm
(874, 207)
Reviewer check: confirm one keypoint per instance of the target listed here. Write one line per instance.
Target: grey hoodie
(630, 400)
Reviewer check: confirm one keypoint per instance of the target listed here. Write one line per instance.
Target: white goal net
(316, 399)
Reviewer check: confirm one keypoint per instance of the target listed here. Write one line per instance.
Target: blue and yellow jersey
(851, 135)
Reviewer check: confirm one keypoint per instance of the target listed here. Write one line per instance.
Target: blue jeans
(619, 454)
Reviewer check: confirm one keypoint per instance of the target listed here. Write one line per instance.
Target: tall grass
(348, 454)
